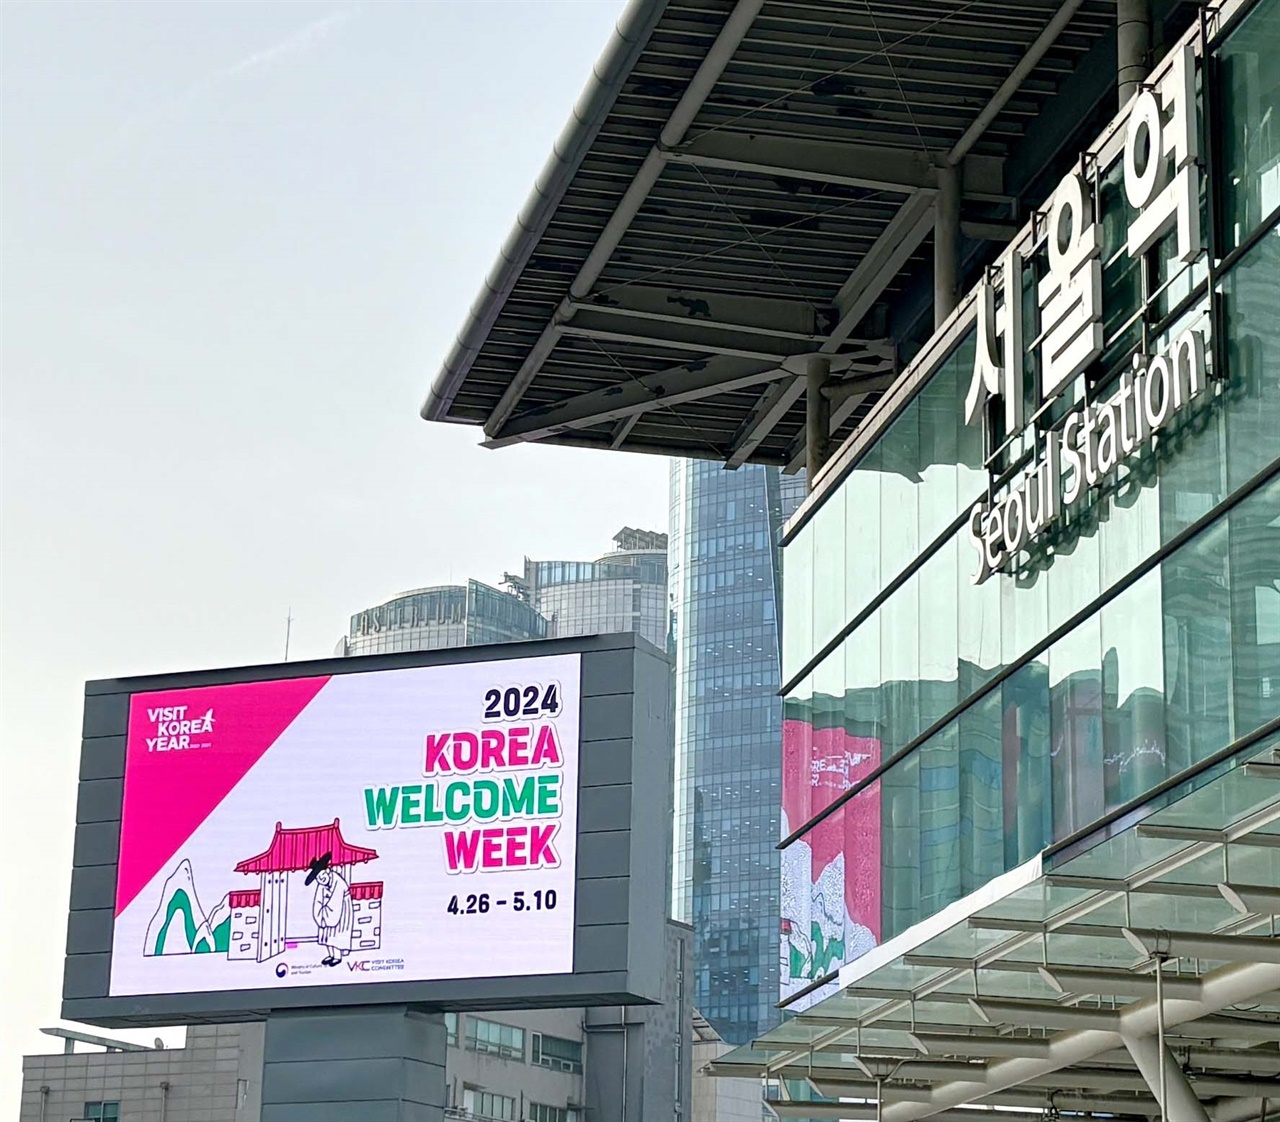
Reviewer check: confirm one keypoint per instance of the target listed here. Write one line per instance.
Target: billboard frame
(624, 820)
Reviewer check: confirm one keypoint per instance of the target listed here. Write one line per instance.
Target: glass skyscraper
(440, 618)
(624, 590)
(726, 601)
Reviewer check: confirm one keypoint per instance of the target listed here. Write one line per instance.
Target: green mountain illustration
(180, 925)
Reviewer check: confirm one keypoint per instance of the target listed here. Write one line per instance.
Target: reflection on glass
(1255, 607)
(1251, 295)
(1132, 692)
(1248, 124)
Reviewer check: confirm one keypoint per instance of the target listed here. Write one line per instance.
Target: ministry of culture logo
(1161, 183)
(176, 729)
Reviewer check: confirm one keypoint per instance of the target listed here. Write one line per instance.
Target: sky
(238, 241)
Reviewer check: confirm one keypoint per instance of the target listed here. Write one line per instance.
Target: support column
(946, 244)
(817, 415)
(1133, 46)
(364, 1064)
(1182, 1104)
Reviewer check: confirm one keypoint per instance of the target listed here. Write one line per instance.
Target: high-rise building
(726, 600)
(449, 615)
(531, 1065)
(623, 590)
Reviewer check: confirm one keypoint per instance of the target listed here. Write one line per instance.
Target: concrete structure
(726, 598)
(719, 1100)
(215, 1077)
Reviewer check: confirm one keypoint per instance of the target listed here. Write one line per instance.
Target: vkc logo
(363, 964)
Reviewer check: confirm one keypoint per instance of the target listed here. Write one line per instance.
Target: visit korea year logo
(176, 728)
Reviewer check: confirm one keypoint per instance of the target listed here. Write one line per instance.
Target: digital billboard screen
(412, 824)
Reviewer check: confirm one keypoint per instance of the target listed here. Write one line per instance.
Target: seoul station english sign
(1162, 184)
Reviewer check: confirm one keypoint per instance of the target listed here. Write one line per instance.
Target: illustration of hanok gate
(291, 852)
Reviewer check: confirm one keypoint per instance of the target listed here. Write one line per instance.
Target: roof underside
(753, 181)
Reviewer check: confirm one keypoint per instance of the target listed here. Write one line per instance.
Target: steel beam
(673, 132)
(898, 170)
(1152, 941)
(667, 342)
(817, 414)
(1019, 74)
(1044, 1014)
(1165, 1077)
(962, 1044)
(1229, 985)
(1204, 834)
(774, 404)
(1115, 983)
(674, 386)
(901, 238)
(1133, 46)
(946, 245)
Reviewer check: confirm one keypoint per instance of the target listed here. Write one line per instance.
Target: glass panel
(797, 602)
(1250, 296)
(1249, 122)
(900, 493)
(1075, 701)
(1255, 607)
(862, 526)
(828, 580)
(831, 892)
(1132, 692)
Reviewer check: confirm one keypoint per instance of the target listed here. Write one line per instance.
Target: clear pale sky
(238, 241)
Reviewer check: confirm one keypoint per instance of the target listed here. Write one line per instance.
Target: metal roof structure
(745, 184)
(1040, 992)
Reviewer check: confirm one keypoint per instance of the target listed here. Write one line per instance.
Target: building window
(451, 1028)
(556, 1052)
(495, 1039)
(487, 1104)
(102, 1112)
(540, 1112)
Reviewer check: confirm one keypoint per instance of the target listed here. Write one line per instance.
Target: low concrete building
(631, 1064)
(215, 1077)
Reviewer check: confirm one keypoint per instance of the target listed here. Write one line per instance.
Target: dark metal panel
(604, 763)
(102, 757)
(99, 800)
(89, 931)
(97, 843)
(93, 886)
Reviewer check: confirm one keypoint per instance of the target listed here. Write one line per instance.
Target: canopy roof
(293, 850)
(746, 182)
(1022, 995)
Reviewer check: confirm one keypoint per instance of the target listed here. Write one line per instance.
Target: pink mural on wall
(831, 876)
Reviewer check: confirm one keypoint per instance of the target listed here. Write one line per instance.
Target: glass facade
(432, 619)
(937, 731)
(726, 600)
(625, 590)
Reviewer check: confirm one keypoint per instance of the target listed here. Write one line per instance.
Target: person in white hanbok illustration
(331, 909)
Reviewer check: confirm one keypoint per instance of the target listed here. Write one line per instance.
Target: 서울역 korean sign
(1162, 185)
(411, 824)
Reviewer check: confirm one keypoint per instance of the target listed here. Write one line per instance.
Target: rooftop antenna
(288, 630)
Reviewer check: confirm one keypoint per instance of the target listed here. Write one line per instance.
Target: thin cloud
(295, 44)
(299, 43)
